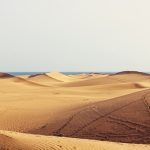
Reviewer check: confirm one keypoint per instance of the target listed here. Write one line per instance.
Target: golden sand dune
(79, 76)
(122, 119)
(38, 106)
(93, 81)
(111, 79)
(57, 104)
(131, 72)
(43, 79)
(19, 80)
(10, 79)
(87, 76)
(41, 105)
(19, 141)
(60, 77)
(131, 76)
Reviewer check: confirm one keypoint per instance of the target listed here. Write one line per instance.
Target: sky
(74, 35)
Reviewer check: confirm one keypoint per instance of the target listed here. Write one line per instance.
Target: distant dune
(61, 77)
(87, 76)
(131, 72)
(93, 81)
(5, 75)
(131, 76)
(111, 79)
(43, 79)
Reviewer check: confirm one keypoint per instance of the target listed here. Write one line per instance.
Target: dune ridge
(21, 141)
(122, 77)
(43, 79)
(131, 72)
(60, 76)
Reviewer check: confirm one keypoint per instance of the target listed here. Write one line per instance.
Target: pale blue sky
(74, 35)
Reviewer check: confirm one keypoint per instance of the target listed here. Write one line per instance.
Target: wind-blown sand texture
(20, 141)
(83, 111)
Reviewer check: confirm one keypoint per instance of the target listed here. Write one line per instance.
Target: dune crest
(60, 76)
(38, 142)
(131, 72)
(43, 79)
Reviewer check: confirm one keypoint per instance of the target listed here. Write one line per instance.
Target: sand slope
(43, 79)
(20, 141)
(93, 81)
(122, 119)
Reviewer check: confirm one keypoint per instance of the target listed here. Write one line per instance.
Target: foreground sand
(56, 104)
(19, 141)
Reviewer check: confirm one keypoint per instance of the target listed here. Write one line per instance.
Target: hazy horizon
(74, 36)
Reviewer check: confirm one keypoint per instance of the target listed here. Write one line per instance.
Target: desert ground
(90, 111)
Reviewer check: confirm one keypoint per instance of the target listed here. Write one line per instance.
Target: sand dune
(61, 77)
(79, 76)
(93, 81)
(5, 75)
(45, 103)
(131, 76)
(121, 77)
(24, 81)
(118, 86)
(43, 79)
(65, 105)
(20, 141)
(7, 78)
(87, 76)
(131, 72)
(38, 106)
(123, 119)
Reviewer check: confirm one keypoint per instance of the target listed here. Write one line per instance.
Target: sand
(57, 105)
(19, 141)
